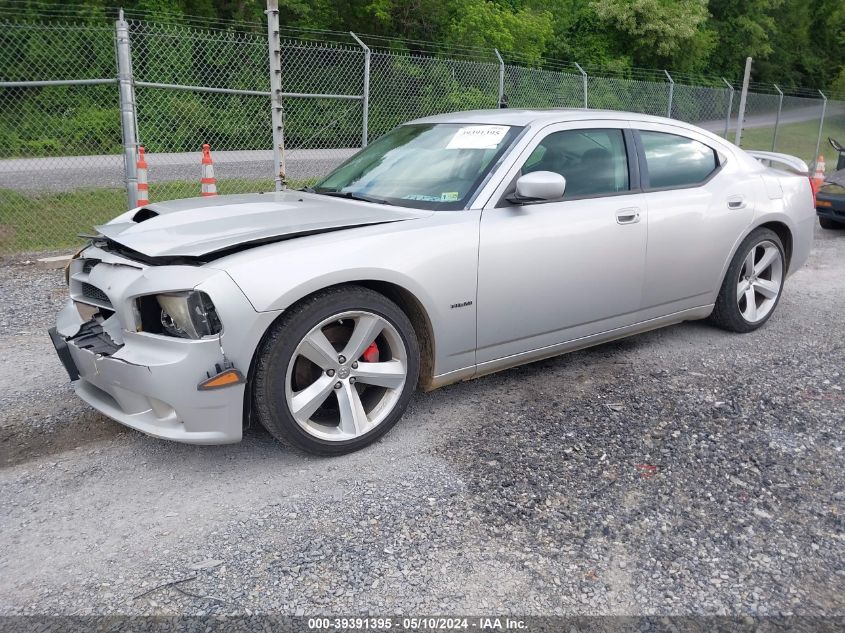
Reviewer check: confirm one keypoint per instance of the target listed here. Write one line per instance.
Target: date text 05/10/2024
(416, 624)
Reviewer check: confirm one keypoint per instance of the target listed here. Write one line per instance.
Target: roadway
(59, 173)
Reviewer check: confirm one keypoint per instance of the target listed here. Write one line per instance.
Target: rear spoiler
(781, 161)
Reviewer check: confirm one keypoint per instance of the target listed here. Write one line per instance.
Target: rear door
(559, 270)
(698, 204)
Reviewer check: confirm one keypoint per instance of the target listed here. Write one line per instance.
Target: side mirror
(538, 186)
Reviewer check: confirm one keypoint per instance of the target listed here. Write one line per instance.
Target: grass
(799, 139)
(52, 220)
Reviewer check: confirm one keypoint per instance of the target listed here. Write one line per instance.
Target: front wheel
(752, 286)
(337, 371)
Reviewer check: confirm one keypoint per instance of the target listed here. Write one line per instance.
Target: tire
(733, 311)
(827, 223)
(358, 402)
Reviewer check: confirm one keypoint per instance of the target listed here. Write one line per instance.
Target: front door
(557, 271)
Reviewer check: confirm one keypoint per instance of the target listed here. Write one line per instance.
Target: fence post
(501, 78)
(276, 105)
(730, 107)
(740, 117)
(671, 93)
(777, 116)
(127, 108)
(821, 125)
(584, 79)
(365, 101)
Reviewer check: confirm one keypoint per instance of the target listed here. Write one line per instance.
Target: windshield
(426, 166)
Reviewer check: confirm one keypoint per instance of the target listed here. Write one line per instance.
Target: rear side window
(593, 162)
(676, 161)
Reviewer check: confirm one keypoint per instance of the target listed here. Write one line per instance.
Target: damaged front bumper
(150, 381)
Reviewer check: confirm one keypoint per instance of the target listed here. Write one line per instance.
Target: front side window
(676, 161)
(423, 166)
(593, 162)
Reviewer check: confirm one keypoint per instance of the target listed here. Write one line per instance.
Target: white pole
(276, 106)
(671, 93)
(740, 117)
(777, 117)
(584, 80)
(365, 98)
(127, 109)
(501, 78)
(821, 125)
(730, 106)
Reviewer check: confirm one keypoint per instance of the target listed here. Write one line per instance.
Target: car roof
(541, 117)
(527, 116)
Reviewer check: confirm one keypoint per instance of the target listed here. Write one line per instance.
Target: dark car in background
(830, 199)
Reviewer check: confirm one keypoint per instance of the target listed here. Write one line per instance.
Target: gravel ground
(684, 471)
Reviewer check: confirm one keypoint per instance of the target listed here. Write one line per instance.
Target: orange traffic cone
(209, 182)
(818, 176)
(142, 187)
(820, 167)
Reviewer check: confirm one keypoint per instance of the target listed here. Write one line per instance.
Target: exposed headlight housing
(190, 314)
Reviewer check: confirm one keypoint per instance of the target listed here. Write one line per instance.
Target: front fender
(435, 260)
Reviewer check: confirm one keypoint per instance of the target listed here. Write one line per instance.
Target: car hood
(217, 225)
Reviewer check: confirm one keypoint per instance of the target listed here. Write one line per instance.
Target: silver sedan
(454, 246)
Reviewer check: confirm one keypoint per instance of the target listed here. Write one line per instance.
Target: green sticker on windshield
(449, 196)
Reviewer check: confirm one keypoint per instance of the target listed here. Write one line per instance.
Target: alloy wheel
(346, 375)
(760, 281)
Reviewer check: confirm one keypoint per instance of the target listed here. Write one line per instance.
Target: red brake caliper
(370, 354)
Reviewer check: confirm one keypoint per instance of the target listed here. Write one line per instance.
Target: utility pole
(671, 93)
(742, 99)
(821, 126)
(777, 117)
(365, 98)
(277, 113)
(501, 100)
(127, 109)
(730, 106)
(584, 80)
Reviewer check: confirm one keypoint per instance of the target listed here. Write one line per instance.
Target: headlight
(189, 314)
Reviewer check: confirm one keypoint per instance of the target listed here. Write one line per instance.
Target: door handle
(736, 202)
(628, 216)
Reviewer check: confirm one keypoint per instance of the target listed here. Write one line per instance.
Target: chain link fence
(404, 87)
(323, 123)
(535, 88)
(196, 86)
(54, 131)
(63, 143)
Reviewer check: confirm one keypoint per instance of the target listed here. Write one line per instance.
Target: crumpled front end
(136, 371)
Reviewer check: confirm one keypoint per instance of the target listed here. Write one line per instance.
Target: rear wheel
(827, 223)
(752, 286)
(337, 371)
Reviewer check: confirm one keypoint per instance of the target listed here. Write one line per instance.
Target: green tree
(659, 33)
(742, 29)
(793, 42)
(487, 24)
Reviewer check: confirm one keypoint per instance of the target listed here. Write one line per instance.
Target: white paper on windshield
(478, 137)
